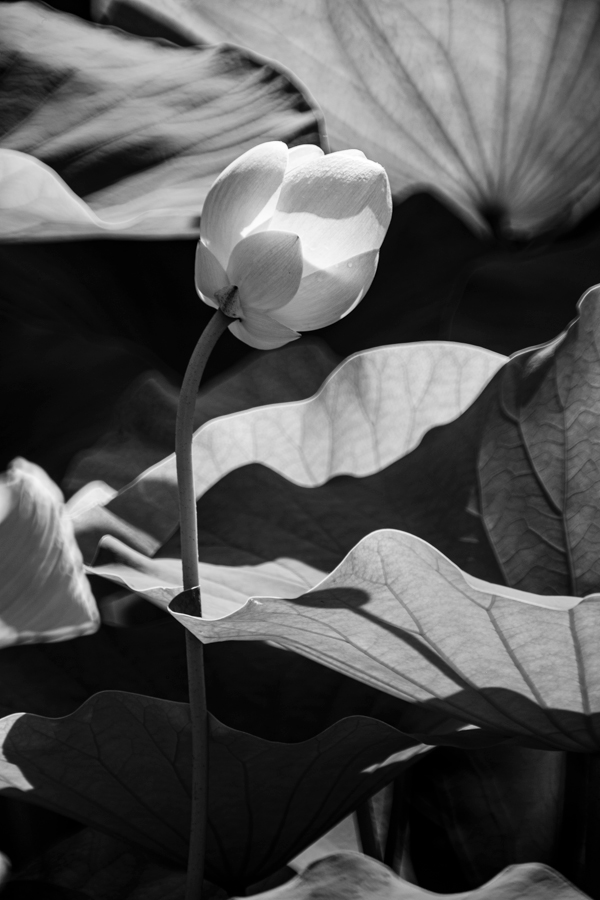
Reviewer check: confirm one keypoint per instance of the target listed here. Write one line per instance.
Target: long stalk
(189, 560)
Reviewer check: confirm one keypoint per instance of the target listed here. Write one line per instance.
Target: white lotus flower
(44, 594)
(289, 239)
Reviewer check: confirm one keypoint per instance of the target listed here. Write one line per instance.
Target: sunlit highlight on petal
(239, 194)
(329, 294)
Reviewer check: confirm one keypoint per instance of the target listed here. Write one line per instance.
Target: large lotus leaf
(353, 875)
(494, 105)
(291, 520)
(539, 468)
(100, 867)
(122, 763)
(44, 593)
(138, 128)
(398, 615)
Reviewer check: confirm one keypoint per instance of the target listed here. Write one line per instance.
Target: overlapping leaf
(477, 651)
(286, 523)
(539, 466)
(351, 874)
(44, 594)
(399, 616)
(493, 104)
(122, 763)
(138, 128)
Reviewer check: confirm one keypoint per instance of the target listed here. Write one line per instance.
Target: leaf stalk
(189, 560)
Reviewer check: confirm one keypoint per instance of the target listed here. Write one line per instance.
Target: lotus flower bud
(289, 239)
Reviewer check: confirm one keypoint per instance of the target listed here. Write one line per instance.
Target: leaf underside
(138, 128)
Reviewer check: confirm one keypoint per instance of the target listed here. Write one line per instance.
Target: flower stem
(189, 561)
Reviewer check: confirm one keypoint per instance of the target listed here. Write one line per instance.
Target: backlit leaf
(374, 410)
(398, 615)
(137, 128)
(353, 875)
(493, 104)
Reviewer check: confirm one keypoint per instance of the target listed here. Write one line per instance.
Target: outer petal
(328, 295)
(340, 205)
(260, 330)
(210, 275)
(239, 194)
(44, 594)
(267, 268)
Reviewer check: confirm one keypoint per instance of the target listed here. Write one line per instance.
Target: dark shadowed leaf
(251, 686)
(398, 615)
(47, 415)
(436, 280)
(103, 868)
(138, 128)
(54, 679)
(353, 875)
(539, 469)
(122, 763)
(493, 105)
(495, 807)
(143, 430)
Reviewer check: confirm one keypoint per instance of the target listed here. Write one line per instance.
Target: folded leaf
(398, 615)
(492, 105)
(224, 588)
(539, 470)
(138, 128)
(44, 594)
(122, 763)
(351, 874)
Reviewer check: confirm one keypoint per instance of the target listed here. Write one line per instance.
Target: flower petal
(266, 268)
(261, 331)
(210, 275)
(239, 194)
(329, 294)
(340, 205)
(44, 594)
(298, 156)
(302, 154)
